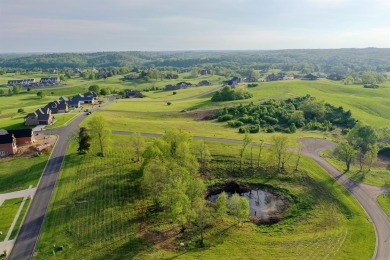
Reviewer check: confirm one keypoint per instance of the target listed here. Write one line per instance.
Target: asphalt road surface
(29, 233)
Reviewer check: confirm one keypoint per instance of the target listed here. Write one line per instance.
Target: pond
(263, 204)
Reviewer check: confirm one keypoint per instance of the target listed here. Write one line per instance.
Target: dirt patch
(30, 150)
(203, 115)
(164, 238)
(382, 162)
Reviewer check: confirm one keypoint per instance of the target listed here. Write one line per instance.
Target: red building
(7, 145)
(23, 136)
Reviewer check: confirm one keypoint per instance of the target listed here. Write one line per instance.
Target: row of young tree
(286, 116)
(361, 145)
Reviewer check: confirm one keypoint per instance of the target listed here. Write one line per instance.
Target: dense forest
(341, 61)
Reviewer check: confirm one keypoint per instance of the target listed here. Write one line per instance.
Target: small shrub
(20, 110)
(235, 123)
(174, 93)
(169, 103)
(225, 118)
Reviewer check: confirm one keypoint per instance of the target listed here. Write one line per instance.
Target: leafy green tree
(221, 205)
(346, 152)
(83, 140)
(2, 91)
(313, 110)
(41, 94)
(292, 128)
(94, 88)
(202, 217)
(239, 207)
(298, 154)
(100, 132)
(371, 156)
(15, 89)
(362, 136)
(154, 179)
(204, 156)
(138, 145)
(279, 149)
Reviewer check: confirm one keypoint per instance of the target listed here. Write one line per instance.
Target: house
(251, 79)
(7, 145)
(130, 77)
(335, 77)
(21, 82)
(91, 97)
(58, 106)
(204, 72)
(49, 80)
(74, 103)
(204, 83)
(23, 136)
(310, 77)
(133, 94)
(288, 77)
(179, 85)
(41, 116)
(233, 82)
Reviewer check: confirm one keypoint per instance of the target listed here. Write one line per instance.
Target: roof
(3, 132)
(91, 94)
(63, 98)
(6, 139)
(20, 133)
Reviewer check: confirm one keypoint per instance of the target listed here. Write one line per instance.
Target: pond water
(263, 204)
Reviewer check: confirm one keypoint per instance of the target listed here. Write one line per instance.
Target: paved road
(29, 233)
(365, 194)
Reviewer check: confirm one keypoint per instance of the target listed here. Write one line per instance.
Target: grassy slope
(8, 211)
(94, 214)
(379, 176)
(20, 173)
(384, 201)
(20, 218)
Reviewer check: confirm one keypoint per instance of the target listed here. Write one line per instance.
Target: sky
(166, 25)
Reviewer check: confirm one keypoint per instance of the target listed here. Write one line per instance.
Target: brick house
(7, 145)
(23, 136)
(41, 116)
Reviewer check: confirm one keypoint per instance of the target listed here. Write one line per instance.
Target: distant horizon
(200, 50)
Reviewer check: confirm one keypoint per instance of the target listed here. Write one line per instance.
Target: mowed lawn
(8, 212)
(95, 214)
(20, 173)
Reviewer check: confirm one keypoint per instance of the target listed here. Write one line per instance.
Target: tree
(105, 92)
(194, 73)
(371, 155)
(346, 152)
(41, 94)
(362, 136)
(83, 140)
(246, 141)
(221, 204)
(298, 155)
(204, 157)
(280, 151)
(138, 145)
(2, 92)
(15, 89)
(239, 207)
(94, 88)
(261, 143)
(292, 128)
(154, 179)
(100, 131)
(202, 217)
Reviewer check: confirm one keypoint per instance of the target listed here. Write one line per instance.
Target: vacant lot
(97, 208)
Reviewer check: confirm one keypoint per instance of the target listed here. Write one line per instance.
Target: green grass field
(20, 218)
(95, 213)
(384, 201)
(63, 119)
(8, 212)
(20, 173)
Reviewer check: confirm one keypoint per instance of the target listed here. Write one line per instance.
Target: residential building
(21, 82)
(23, 136)
(7, 145)
(50, 80)
(41, 116)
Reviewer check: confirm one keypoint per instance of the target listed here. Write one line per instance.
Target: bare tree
(138, 145)
(298, 155)
(203, 155)
(246, 141)
(99, 130)
(346, 152)
(261, 143)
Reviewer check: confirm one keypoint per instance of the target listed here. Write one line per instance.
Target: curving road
(365, 194)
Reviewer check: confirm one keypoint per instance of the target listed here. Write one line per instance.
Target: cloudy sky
(151, 25)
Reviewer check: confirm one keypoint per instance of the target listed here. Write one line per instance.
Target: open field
(63, 119)
(8, 212)
(384, 201)
(19, 173)
(97, 204)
